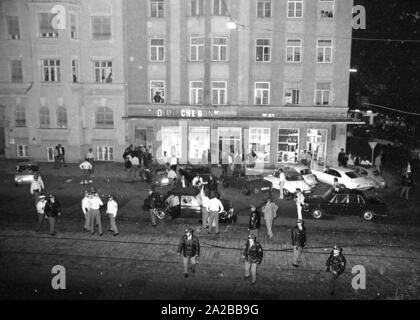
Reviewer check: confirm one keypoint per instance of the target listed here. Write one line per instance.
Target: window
(22, 151)
(287, 145)
(13, 31)
(360, 199)
(157, 91)
(62, 117)
(157, 8)
(295, 9)
(20, 117)
(196, 92)
(197, 49)
(323, 93)
(75, 70)
(219, 92)
(259, 141)
(157, 49)
(16, 70)
(50, 70)
(262, 93)
(105, 153)
(324, 50)
(292, 92)
(44, 117)
(171, 141)
(46, 29)
(103, 71)
(263, 50)
(326, 9)
(220, 8)
(101, 28)
(219, 49)
(293, 50)
(316, 145)
(104, 118)
(73, 26)
(196, 8)
(199, 145)
(264, 8)
(50, 154)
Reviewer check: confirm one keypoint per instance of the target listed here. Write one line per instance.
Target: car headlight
(383, 183)
(16, 179)
(165, 180)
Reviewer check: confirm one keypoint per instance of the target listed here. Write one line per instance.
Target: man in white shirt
(91, 158)
(95, 215)
(173, 161)
(204, 209)
(85, 166)
(282, 182)
(86, 210)
(197, 181)
(40, 208)
(37, 186)
(172, 176)
(215, 207)
(300, 200)
(111, 210)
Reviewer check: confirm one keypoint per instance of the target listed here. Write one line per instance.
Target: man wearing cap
(270, 213)
(253, 255)
(189, 246)
(300, 201)
(215, 208)
(111, 210)
(336, 264)
(298, 241)
(95, 215)
(37, 186)
(40, 208)
(254, 222)
(52, 210)
(86, 210)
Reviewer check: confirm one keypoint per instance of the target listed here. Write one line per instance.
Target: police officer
(95, 214)
(86, 210)
(37, 186)
(111, 210)
(40, 208)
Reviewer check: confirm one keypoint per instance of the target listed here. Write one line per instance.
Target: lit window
(287, 145)
(259, 142)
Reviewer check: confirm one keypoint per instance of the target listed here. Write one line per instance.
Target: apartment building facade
(61, 78)
(275, 81)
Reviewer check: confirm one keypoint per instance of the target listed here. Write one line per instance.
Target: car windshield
(352, 174)
(305, 171)
(23, 168)
(293, 177)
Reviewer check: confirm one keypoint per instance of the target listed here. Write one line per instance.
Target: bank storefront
(208, 135)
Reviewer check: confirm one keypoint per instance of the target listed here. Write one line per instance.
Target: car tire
(245, 191)
(317, 213)
(368, 215)
(160, 214)
(286, 192)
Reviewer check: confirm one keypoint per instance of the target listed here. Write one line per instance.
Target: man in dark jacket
(298, 241)
(336, 264)
(151, 205)
(212, 184)
(52, 211)
(407, 183)
(253, 256)
(189, 246)
(254, 222)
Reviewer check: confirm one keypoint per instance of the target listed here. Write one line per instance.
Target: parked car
(345, 176)
(25, 172)
(294, 180)
(304, 171)
(371, 173)
(344, 202)
(158, 176)
(248, 184)
(190, 172)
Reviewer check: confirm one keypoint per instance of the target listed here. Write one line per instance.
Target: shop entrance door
(140, 137)
(230, 143)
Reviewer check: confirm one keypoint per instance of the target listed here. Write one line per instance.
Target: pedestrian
(270, 213)
(135, 166)
(298, 241)
(300, 202)
(165, 159)
(407, 184)
(95, 214)
(212, 184)
(86, 210)
(56, 158)
(182, 183)
(151, 201)
(282, 182)
(85, 166)
(336, 185)
(52, 211)
(350, 162)
(37, 187)
(342, 158)
(237, 162)
(253, 256)
(357, 160)
(189, 247)
(230, 163)
(157, 98)
(378, 162)
(197, 182)
(215, 208)
(252, 158)
(111, 210)
(204, 209)
(254, 222)
(62, 155)
(173, 161)
(336, 264)
(91, 158)
(40, 208)
(225, 163)
(172, 176)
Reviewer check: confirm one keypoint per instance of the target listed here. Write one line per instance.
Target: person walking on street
(407, 183)
(212, 184)
(378, 162)
(86, 210)
(182, 183)
(52, 211)
(152, 206)
(172, 176)
(40, 208)
(282, 182)
(298, 241)
(37, 187)
(86, 167)
(254, 222)
(336, 264)
(215, 208)
(56, 159)
(95, 214)
(127, 164)
(197, 182)
(189, 247)
(270, 213)
(61, 155)
(111, 210)
(253, 256)
(135, 166)
(204, 209)
(342, 159)
(300, 201)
